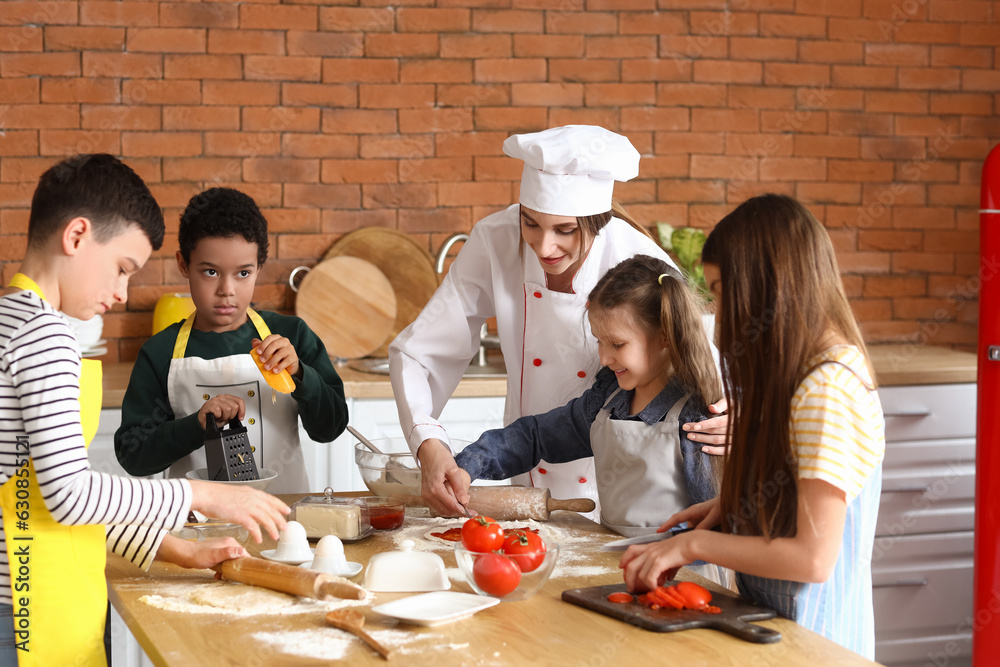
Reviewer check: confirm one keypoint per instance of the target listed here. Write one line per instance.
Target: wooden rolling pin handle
(573, 505)
(329, 585)
(287, 579)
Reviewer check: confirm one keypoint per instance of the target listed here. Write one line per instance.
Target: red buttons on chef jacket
(538, 295)
(581, 374)
(541, 470)
(583, 480)
(537, 362)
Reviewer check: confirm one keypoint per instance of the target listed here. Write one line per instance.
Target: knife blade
(622, 545)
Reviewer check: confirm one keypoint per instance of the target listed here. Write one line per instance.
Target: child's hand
(249, 507)
(224, 407)
(198, 555)
(277, 354)
(649, 565)
(704, 515)
(712, 431)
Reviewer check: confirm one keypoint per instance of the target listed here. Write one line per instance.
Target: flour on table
(238, 600)
(334, 644)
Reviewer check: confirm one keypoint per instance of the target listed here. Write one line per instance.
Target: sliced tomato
(620, 598)
(694, 596)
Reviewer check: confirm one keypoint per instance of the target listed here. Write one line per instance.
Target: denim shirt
(563, 434)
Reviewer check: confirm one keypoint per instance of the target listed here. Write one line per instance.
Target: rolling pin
(289, 579)
(512, 503)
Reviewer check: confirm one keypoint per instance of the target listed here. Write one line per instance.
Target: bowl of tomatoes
(511, 565)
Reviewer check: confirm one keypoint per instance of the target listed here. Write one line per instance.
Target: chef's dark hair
(100, 188)
(591, 225)
(664, 305)
(222, 213)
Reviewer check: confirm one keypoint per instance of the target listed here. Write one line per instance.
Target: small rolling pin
(512, 503)
(289, 579)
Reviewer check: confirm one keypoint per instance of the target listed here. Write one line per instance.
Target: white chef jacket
(496, 274)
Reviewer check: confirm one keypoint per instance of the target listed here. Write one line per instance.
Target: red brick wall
(334, 116)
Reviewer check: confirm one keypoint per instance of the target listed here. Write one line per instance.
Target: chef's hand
(248, 507)
(712, 431)
(198, 555)
(277, 354)
(649, 565)
(224, 407)
(703, 516)
(443, 484)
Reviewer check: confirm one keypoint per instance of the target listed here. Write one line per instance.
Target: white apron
(641, 480)
(273, 428)
(560, 363)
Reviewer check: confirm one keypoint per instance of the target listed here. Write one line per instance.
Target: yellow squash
(278, 381)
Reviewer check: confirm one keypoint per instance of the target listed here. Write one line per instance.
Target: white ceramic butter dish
(406, 571)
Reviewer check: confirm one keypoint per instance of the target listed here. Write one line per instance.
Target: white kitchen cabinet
(923, 555)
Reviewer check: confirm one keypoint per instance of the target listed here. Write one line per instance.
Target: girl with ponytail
(658, 374)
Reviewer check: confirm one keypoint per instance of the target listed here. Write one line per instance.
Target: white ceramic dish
(269, 554)
(435, 608)
(406, 571)
(353, 569)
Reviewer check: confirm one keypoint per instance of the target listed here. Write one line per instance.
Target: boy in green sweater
(203, 364)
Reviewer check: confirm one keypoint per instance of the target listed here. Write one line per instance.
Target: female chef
(531, 266)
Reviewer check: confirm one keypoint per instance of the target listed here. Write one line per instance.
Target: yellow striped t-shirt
(837, 429)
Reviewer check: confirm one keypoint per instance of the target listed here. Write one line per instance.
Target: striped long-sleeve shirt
(39, 405)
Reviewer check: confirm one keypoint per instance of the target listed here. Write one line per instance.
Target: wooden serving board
(408, 267)
(732, 620)
(349, 304)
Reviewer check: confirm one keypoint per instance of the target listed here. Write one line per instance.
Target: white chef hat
(572, 170)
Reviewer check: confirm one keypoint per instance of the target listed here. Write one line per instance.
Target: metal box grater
(228, 452)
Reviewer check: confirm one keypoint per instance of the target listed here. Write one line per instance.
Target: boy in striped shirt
(93, 224)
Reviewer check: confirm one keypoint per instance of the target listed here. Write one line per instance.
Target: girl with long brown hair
(658, 374)
(801, 481)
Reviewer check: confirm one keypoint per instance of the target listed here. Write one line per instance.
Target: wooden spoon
(352, 620)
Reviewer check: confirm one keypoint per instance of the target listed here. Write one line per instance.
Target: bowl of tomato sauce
(385, 513)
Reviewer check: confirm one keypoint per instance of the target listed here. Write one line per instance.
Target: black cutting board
(732, 620)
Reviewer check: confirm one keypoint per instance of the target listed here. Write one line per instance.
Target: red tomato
(525, 548)
(482, 534)
(695, 596)
(620, 598)
(495, 574)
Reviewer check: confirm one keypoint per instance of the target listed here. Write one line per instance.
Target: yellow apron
(56, 571)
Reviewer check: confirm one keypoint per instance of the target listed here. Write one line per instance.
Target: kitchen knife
(622, 545)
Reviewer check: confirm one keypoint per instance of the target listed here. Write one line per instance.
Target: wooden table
(540, 630)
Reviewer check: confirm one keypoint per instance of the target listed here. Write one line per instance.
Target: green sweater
(152, 438)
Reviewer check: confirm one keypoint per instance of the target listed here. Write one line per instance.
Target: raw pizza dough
(237, 597)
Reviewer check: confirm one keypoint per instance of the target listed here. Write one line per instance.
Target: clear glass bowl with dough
(539, 565)
(394, 472)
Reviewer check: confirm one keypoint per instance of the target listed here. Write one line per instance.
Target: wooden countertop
(540, 630)
(894, 365)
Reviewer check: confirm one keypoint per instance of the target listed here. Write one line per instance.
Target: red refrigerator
(986, 599)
